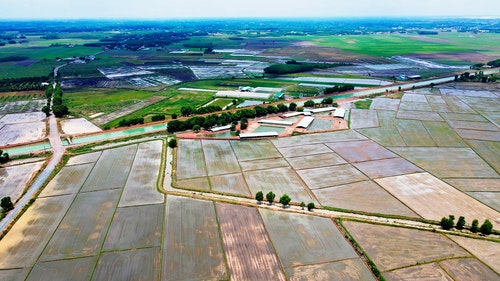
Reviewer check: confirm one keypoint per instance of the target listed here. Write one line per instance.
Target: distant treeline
(22, 84)
(338, 89)
(136, 41)
(296, 67)
(13, 59)
(494, 63)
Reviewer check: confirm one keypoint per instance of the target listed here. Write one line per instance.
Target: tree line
(22, 84)
(293, 66)
(448, 223)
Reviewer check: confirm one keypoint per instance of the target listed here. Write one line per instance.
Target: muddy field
(78, 126)
(14, 179)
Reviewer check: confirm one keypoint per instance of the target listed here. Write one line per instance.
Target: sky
(174, 9)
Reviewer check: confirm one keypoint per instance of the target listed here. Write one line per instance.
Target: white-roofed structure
(305, 122)
(276, 122)
(258, 135)
(339, 112)
(322, 109)
(239, 94)
(221, 128)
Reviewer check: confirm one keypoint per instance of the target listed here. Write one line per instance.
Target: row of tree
(188, 111)
(476, 77)
(448, 223)
(284, 200)
(22, 84)
(293, 66)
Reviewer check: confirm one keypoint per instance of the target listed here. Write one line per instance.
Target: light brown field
(299, 141)
(196, 183)
(14, 179)
(135, 227)
(137, 264)
(331, 176)
(419, 115)
(466, 163)
(394, 247)
(84, 226)
(190, 160)
(311, 149)
(361, 118)
(263, 164)
(73, 269)
(387, 167)
(486, 251)
(111, 170)
(468, 270)
(428, 272)
(345, 270)
(280, 181)
(21, 132)
(247, 246)
(491, 199)
(414, 133)
(488, 150)
(385, 104)
(78, 126)
(421, 191)
(316, 161)
(475, 184)
(219, 157)
(26, 240)
(231, 183)
(413, 98)
(192, 245)
(364, 196)
(359, 151)
(303, 240)
(84, 158)
(140, 188)
(415, 106)
(69, 180)
(14, 274)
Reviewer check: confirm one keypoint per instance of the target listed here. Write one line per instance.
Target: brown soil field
(106, 173)
(231, 183)
(196, 183)
(219, 157)
(475, 184)
(74, 269)
(304, 240)
(192, 164)
(14, 274)
(413, 98)
(491, 199)
(135, 227)
(345, 270)
(311, 149)
(21, 133)
(84, 158)
(263, 164)
(486, 251)
(249, 251)
(280, 181)
(387, 167)
(365, 196)
(331, 176)
(393, 247)
(138, 264)
(299, 141)
(419, 115)
(468, 270)
(361, 118)
(26, 240)
(192, 244)
(386, 136)
(83, 229)
(260, 149)
(14, 179)
(436, 160)
(140, 188)
(428, 272)
(69, 180)
(359, 151)
(385, 104)
(442, 134)
(316, 161)
(420, 192)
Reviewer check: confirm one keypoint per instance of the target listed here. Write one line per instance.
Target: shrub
(486, 227)
(460, 222)
(310, 206)
(172, 143)
(475, 226)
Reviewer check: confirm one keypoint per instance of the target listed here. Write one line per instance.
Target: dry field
(190, 160)
(468, 269)
(419, 115)
(486, 251)
(219, 157)
(263, 164)
(68, 181)
(249, 252)
(431, 271)
(491, 199)
(421, 191)
(316, 161)
(385, 104)
(359, 151)
(392, 247)
(442, 134)
(311, 149)
(345, 270)
(387, 167)
(84, 158)
(280, 181)
(21, 133)
(140, 188)
(192, 245)
(78, 126)
(73, 269)
(13, 179)
(261, 149)
(300, 141)
(230, 183)
(361, 118)
(457, 105)
(137, 264)
(479, 135)
(331, 176)
(414, 133)
(364, 196)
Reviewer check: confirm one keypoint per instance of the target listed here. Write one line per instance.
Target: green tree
(486, 227)
(447, 223)
(4, 157)
(302, 205)
(309, 103)
(196, 128)
(475, 226)
(186, 111)
(328, 100)
(285, 200)
(310, 206)
(460, 222)
(46, 110)
(259, 196)
(270, 197)
(172, 143)
(292, 106)
(6, 204)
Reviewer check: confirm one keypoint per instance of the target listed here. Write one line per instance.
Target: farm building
(276, 122)
(238, 94)
(294, 114)
(258, 135)
(339, 112)
(222, 128)
(323, 109)
(305, 122)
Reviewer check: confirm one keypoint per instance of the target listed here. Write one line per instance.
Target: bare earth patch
(78, 126)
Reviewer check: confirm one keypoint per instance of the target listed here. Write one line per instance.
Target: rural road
(57, 154)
